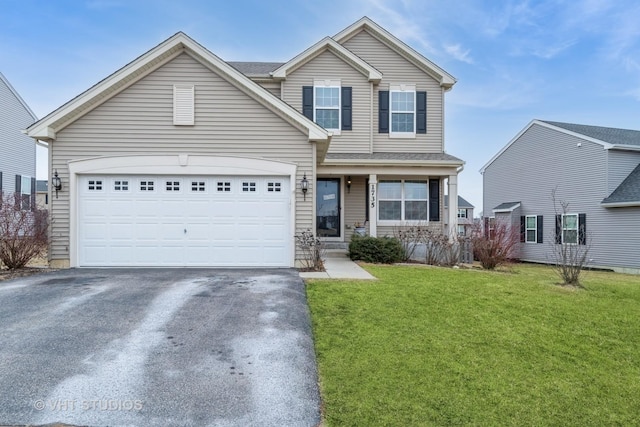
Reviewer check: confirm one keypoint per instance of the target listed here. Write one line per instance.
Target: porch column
(373, 202)
(453, 205)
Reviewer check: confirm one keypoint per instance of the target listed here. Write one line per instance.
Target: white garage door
(183, 221)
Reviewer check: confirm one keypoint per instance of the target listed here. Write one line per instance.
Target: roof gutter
(620, 204)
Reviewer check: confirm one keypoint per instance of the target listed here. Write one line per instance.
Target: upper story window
(326, 108)
(402, 111)
(328, 103)
(462, 213)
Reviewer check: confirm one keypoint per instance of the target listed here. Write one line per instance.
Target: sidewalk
(337, 265)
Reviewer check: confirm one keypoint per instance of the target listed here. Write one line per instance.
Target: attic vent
(183, 104)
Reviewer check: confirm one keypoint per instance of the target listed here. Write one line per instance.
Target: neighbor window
(461, 230)
(570, 228)
(401, 200)
(25, 192)
(462, 213)
(326, 104)
(403, 110)
(531, 229)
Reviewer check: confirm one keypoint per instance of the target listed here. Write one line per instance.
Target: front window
(570, 229)
(401, 200)
(403, 110)
(326, 107)
(531, 229)
(462, 213)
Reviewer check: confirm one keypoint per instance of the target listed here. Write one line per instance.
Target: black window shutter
(486, 227)
(307, 102)
(434, 199)
(0, 187)
(523, 228)
(17, 196)
(18, 184)
(383, 111)
(346, 108)
(421, 112)
(558, 229)
(539, 237)
(582, 229)
(33, 194)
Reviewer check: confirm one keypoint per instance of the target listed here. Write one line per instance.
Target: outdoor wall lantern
(349, 184)
(56, 182)
(304, 185)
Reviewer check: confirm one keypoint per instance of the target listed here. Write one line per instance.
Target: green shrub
(384, 250)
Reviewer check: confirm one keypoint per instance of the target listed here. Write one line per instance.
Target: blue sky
(575, 61)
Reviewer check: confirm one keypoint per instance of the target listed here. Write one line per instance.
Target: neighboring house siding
(543, 159)
(17, 151)
(139, 120)
(328, 66)
(620, 164)
(396, 69)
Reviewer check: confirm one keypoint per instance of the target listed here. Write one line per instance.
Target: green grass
(431, 346)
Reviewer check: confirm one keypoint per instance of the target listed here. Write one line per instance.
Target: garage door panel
(170, 224)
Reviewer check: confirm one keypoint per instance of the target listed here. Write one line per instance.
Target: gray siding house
(182, 159)
(465, 216)
(17, 150)
(595, 170)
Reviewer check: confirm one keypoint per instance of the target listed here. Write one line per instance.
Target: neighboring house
(182, 159)
(42, 194)
(595, 170)
(465, 216)
(17, 150)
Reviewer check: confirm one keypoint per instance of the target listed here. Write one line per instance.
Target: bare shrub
(23, 233)
(411, 237)
(569, 258)
(312, 249)
(495, 248)
(442, 249)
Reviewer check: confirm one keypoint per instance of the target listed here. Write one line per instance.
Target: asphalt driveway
(157, 347)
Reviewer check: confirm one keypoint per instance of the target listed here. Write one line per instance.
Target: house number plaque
(372, 195)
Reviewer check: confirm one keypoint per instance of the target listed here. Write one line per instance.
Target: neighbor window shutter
(33, 194)
(17, 196)
(0, 187)
(383, 111)
(523, 228)
(558, 229)
(539, 222)
(307, 102)
(18, 184)
(582, 229)
(183, 104)
(434, 199)
(421, 112)
(486, 227)
(346, 108)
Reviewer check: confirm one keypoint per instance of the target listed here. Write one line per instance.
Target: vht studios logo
(64, 405)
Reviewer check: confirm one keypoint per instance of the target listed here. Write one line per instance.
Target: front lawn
(432, 346)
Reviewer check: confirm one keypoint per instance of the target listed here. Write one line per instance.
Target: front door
(328, 207)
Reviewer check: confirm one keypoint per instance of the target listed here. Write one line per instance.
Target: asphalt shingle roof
(507, 206)
(462, 203)
(628, 191)
(255, 69)
(610, 135)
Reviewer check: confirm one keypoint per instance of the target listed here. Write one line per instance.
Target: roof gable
(608, 138)
(15, 93)
(328, 44)
(445, 79)
(46, 128)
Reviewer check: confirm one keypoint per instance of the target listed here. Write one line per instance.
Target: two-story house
(465, 216)
(182, 159)
(593, 175)
(17, 150)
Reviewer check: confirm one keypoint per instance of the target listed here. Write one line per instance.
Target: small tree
(497, 246)
(313, 251)
(23, 233)
(570, 245)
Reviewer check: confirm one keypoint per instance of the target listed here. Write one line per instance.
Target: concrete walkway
(337, 265)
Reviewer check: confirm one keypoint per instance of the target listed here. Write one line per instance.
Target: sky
(574, 61)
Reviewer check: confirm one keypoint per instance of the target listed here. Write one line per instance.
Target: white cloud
(457, 52)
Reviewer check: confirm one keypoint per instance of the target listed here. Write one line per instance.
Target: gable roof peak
(365, 23)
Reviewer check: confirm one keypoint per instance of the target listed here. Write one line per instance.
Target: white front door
(222, 221)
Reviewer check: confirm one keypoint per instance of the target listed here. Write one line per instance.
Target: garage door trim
(182, 164)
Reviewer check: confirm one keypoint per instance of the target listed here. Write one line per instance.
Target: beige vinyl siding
(355, 204)
(139, 120)
(396, 69)
(273, 87)
(543, 159)
(328, 66)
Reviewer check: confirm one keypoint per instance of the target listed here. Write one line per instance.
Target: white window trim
(329, 84)
(466, 214)
(402, 221)
(527, 229)
(562, 229)
(402, 88)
